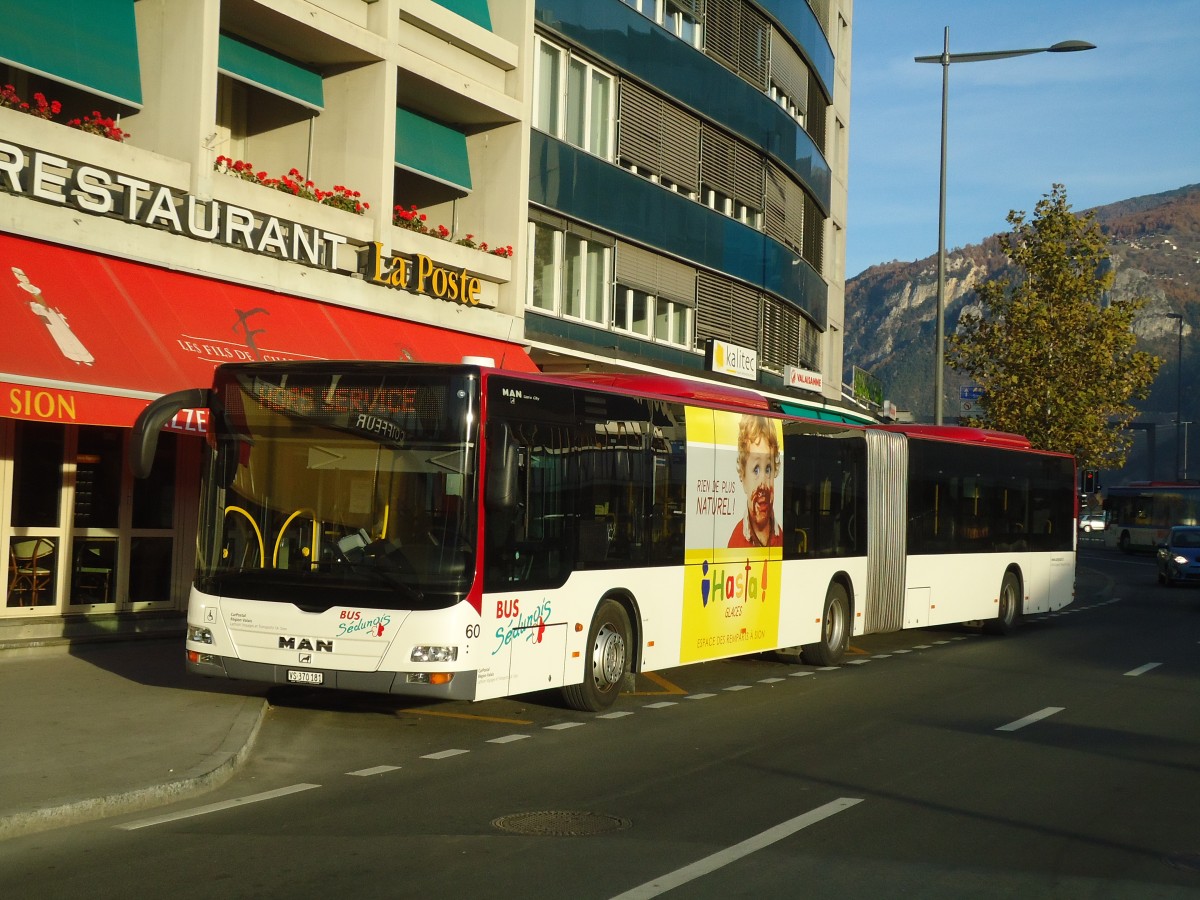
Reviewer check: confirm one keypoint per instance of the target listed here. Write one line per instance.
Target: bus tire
(835, 630)
(606, 661)
(1009, 612)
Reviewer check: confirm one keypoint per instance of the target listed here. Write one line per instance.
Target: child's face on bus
(758, 481)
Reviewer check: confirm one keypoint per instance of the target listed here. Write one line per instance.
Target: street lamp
(945, 58)
(1179, 429)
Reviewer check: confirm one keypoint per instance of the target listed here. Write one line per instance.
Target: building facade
(559, 184)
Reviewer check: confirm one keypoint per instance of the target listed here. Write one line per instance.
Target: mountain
(1155, 252)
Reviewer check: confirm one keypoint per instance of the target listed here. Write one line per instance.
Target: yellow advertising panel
(734, 535)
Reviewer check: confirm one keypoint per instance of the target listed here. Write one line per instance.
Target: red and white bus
(458, 531)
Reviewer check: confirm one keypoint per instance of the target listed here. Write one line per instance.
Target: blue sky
(1111, 123)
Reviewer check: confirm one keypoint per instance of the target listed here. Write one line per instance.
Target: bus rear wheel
(835, 630)
(1009, 612)
(606, 662)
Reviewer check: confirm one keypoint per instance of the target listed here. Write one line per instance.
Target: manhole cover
(551, 822)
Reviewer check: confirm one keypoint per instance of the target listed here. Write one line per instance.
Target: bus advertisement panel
(734, 535)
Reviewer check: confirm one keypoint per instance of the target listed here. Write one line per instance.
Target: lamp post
(945, 58)
(1179, 429)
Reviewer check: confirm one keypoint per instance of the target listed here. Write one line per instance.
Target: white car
(1092, 521)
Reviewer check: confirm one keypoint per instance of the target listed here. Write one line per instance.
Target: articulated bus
(1141, 513)
(462, 532)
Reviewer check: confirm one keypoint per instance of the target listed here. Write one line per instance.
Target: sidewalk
(94, 730)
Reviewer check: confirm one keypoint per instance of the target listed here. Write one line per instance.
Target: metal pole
(1179, 401)
(939, 351)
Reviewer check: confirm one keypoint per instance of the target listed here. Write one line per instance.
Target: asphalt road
(1058, 762)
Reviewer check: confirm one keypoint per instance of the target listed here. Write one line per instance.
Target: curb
(212, 773)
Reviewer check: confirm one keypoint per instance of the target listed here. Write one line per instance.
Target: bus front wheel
(1009, 611)
(606, 661)
(835, 630)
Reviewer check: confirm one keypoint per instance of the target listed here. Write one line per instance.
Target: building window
(662, 320)
(680, 17)
(570, 272)
(575, 100)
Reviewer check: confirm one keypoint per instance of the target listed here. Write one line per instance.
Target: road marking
(771, 680)
(1141, 670)
(374, 770)
(444, 754)
(923, 647)
(563, 726)
(902, 651)
(661, 704)
(215, 807)
(738, 687)
(1030, 719)
(617, 714)
(698, 696)
(881, 656)
(857, 662)
(798, 674)
(722, 858)
(453, 715)
(667, 687)
(508, 739)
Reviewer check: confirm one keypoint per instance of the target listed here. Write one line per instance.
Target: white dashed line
(444, 754)
(374, 770)
(857, 662)
(508, 739)
(563, 726)
(738, 687)
(664, 883)
(1030, 719)
(661, 704)
(698, 696)
(618, 714)
(799, 674)
(1141, 670)
(215, 807)
(769, 680)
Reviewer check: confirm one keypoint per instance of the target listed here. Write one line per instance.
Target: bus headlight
(1180, 560)
(199, 635)
(427, 653)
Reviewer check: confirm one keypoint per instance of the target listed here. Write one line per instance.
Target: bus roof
(962, 434)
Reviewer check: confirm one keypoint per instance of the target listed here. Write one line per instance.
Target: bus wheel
(1010, 605)
(835, 630)
(606, 662)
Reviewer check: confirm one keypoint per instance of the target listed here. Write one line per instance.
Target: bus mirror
(144, 440)
(501, 470)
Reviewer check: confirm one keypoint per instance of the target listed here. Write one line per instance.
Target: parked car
(1179, 555)
(1093, 521)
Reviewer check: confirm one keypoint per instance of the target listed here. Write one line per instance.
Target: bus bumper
(461, 685)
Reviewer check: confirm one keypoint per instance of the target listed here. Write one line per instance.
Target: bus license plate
(295, 676)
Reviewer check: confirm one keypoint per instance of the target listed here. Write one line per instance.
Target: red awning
(90, 339)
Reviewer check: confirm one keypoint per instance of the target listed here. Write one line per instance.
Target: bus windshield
(335, 486)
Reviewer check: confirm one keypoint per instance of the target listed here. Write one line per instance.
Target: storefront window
(154, 497)
(37, 494)
(98, 467)
(37, 475)
(149, 569)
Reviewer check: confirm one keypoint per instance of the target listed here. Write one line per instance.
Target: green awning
(824, 415)
(88, 44)
(473, 10)
(272, 73)
(432, 149)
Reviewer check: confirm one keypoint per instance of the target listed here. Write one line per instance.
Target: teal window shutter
(88, 44)
(270, 72)
(432, 149)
